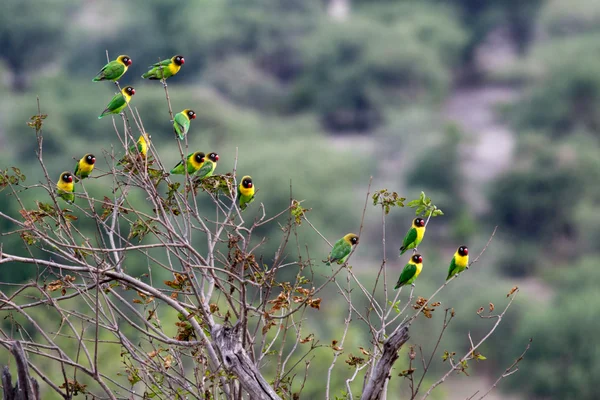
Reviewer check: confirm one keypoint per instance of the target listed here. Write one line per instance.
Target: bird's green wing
(206, 169)
(111, 71)
(76, 168)
(179, 168)
(453, 270)
(181, 125)
(407, 274)
(340, 250)
(164, 63)
(410, 237)
(116, 102)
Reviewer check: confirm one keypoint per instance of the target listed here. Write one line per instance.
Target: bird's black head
(417, 259)
(463, 251)
(354, 240)
(199, 156)
(247, 182)
(419, 222)
(90, 159)
(179, 60)
(191, 114)
(127, 61)
(67, 177)
(214, 157)
(129, 90)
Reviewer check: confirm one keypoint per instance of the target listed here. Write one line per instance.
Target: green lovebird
(341, 249)
(118, 102)
(411, 271)
(245, 192)
(181, 124)
(84, 166)
(65, 187)
(414, 235)
(459, 262)
(141, 148)
(208, 166)
(114, 69)
(193, 162)
(166, 68)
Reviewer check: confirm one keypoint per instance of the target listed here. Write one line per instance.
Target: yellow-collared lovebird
(459, 262)
(141, 145)
(141, 148)
(414, 235)
(245, 193)
(65, 187)
(114, 69)
(342, 248)
(119, 101)
(166, 68)
(209, 163)
(411, 271)
(193, 162)
(181, 123)
(84, 166)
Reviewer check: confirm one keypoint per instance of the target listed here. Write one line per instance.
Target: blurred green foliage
(558, 340)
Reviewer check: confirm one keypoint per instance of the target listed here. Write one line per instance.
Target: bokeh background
(490, 107)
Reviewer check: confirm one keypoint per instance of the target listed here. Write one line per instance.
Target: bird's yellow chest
(461, 261)
(174, 68)
(420, 233)
(419, 268)
(85, 167)
(247, 191)
(143, 148)
(66, 186)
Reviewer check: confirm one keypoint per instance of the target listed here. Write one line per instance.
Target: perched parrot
(114, 69)
(245, 193)
(208, 166)
(119, 101)
(142, 145)
(65, 187)
(414, 235)
(459, 262)
(181, 124)
(166, 68)
(411, 271)
(84, 167)
(141, 148)
(341, 249)
(193, 161)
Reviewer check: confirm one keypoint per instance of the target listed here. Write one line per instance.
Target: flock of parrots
(200, 165)
(196, 164)
(342, 248)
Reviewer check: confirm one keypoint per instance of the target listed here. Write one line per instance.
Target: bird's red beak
(217, 157)
(466, 251)
(93, 160)
(194, 116)
(132, 92)
(70, 179)
(250, 185)
(182, 60)
(129, 62)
